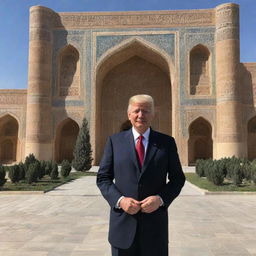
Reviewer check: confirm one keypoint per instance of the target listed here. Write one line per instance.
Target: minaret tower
(39, 117)
(228, 110)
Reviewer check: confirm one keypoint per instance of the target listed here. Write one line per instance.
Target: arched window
(200, 140)
(69, 72)
(199, 71)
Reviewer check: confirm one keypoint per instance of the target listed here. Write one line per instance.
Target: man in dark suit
(133, 179)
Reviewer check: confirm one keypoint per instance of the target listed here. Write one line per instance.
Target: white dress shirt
(145, 135)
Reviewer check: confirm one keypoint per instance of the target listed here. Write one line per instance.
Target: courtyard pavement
(72, 220)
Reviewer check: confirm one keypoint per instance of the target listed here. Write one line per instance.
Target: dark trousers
(140, 247)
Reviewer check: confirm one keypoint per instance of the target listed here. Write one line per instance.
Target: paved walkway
(73, 221)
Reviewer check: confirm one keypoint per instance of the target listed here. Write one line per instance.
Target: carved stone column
(39, 118)
(228, 139)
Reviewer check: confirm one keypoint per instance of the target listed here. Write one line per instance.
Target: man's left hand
(150, 204)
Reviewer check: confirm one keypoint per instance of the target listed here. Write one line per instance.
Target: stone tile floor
(73, 221)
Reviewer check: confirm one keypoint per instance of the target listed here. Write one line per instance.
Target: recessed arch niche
(134, 68)
(66, 136)
(199, 60)
(200, 145)
(69, 71)
(9, 128)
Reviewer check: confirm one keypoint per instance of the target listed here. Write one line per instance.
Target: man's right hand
(129, 205)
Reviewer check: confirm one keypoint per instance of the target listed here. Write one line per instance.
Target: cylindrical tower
(39, 118)
(228, 110)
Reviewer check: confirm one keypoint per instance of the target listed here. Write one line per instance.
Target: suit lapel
(151, 150)
(131, 149)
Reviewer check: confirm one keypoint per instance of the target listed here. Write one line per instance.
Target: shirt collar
(136, 134)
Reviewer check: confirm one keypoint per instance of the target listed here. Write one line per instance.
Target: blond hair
(142, 98)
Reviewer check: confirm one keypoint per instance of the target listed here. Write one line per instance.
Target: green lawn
(227, 186)
(45, 184)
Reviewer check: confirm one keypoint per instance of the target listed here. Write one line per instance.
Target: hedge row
(231, 168)
(33, 170)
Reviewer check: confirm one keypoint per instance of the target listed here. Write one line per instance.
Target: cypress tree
(82, 151)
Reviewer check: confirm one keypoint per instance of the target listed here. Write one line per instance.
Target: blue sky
(14, 17)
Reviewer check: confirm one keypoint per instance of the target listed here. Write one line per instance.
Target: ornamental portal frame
(89, 64)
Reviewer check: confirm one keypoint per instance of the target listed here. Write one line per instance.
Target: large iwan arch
(134, 68)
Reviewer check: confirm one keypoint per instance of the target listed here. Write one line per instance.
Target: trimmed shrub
(232, 164)
(200, 165)
(82, 151)
(2, 176)
(48, 168)
(31, 174)
(247, 170)
(42, 167)
(237, 175)
(207, 167)
(30, 159)
(22, 172)
(6, 168)
(65, 168)
(40, 172)
(219, 173)
(223, 165)
(54, 172)
(215, 172)
(253, 171)
(13, 173)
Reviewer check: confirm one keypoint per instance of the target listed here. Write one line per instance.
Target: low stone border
(230, 192)
(22, 192)
(207, 192)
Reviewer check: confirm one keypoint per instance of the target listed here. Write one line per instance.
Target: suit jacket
(119, 175)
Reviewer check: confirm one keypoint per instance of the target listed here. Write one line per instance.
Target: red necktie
(140, 150)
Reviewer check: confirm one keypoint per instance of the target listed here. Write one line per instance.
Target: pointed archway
(133, 69)
(66, 136)
(200, 140)
(8, 139)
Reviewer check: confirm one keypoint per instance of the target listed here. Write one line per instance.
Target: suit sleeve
(176, 177)
(105, 176)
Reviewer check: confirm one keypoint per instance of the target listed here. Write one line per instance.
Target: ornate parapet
(135, 19)
(13, 97)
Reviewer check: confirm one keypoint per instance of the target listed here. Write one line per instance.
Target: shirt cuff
(117, 206)
(162, 202)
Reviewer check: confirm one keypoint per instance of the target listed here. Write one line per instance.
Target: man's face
(141, 116)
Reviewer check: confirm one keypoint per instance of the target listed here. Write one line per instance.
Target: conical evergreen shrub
(82, 151)
(21, 171)
(65, 168)
(31, 173)
(54, 172)
(14, 173)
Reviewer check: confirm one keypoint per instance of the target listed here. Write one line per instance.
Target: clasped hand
(148, 205)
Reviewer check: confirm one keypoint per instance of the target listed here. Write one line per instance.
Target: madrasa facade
(89, 64)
